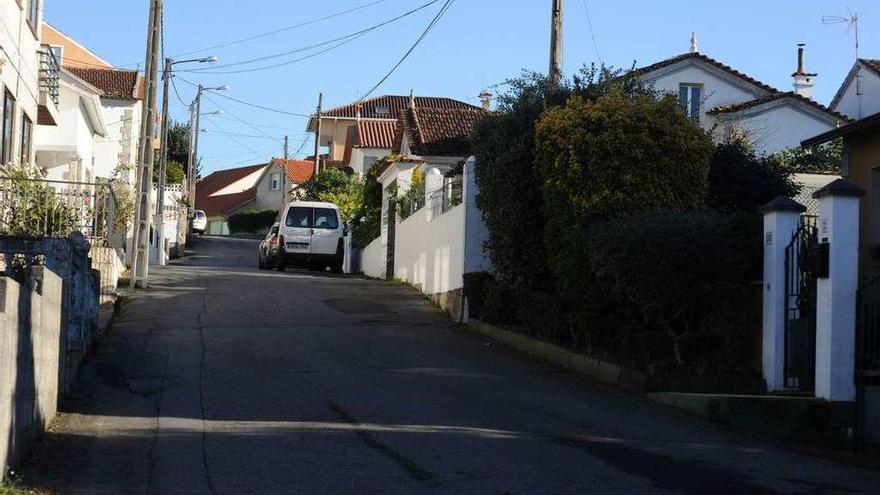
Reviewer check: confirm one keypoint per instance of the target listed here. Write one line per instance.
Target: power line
(177, 93)
(233, 138)
(406, 55)
(340, 41)
(284, 29)
(236, 117)
(252, 136)
(254, 105)
(592, 32)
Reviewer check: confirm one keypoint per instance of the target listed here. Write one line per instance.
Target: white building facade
(859, 95)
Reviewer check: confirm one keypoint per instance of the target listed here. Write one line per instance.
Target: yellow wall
(864, 157)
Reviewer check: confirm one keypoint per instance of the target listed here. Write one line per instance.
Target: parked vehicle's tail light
(274, 241)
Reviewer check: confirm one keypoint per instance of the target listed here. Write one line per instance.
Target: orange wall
(864, 157)
(74, 55)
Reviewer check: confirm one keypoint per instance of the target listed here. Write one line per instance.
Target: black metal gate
(867, 369)
(800, 307)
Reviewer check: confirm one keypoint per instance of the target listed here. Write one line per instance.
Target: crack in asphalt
(412, 469)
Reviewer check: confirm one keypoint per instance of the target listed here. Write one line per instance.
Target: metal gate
(867, 369)
(800, 307)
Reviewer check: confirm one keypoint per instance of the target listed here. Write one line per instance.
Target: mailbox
(821, 260)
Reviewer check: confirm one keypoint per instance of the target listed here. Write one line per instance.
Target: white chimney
(694, 48)
(803, 80)
(412, 99)
(486, 100)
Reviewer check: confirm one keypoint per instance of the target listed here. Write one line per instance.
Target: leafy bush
(489, 300)
(414, 198)
(367, 219)
(335, 186)
(739, 180)
(252, 222)
(33, 208)
(684, 279)
(824, 159)
(618, 154)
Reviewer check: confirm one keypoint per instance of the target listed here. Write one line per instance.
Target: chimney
(694, 43)
(359, 108)
(412, 99)
(803, 80)
(486, 100)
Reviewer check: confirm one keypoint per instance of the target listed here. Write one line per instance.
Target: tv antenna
(851, 21)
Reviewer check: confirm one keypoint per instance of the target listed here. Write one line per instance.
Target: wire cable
(406, 55)
(340, 41)
(592, 32)
(234, 139)
(236, 117)
(251, 136)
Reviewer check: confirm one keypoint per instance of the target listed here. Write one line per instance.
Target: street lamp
(163, 156)
(193, 159)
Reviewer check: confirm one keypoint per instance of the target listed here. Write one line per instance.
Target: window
(276, 182)
(299, 217)
(58, 51)
(325, 218)
(689, 96)
(33, 13)
(27, 130)
(8, 124)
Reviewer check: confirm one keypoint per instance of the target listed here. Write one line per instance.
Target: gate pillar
(781, 221)
(836, 294)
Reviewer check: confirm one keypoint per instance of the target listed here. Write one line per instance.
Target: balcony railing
(50, 71)
(446, 198)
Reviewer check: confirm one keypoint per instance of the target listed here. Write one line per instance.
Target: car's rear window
(325, 218)
(300, 217)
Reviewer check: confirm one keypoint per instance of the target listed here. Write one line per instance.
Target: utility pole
(194, 145)
(555, 73)
(318, 134)
(190, 166)
(284, 177)
(140, 261)
(163, 165)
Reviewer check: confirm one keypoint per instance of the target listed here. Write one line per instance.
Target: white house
(726, 101)
(67, 151)
(29, 78)
(859, 95)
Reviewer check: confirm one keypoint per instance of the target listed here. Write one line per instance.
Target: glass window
(299, 217)
(58, 51)
(27, 130)
(276, 182)
(8, 124)
(325, 218)
(689, 97)
(33, 9)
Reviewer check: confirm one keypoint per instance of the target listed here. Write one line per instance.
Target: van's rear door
(298, 230)
(325, 232)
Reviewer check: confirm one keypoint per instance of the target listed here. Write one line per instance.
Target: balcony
(50, 91)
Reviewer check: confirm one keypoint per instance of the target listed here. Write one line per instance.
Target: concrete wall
(122, 118)
(780, 126)
(30, 359)
(110, 265)
(372, 259)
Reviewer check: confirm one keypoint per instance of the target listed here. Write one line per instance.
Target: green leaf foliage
(739, 180)
(252, 222)
(618, 154)
(335, 186)
(822, 159)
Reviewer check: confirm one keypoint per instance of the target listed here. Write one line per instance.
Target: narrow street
(225, 379)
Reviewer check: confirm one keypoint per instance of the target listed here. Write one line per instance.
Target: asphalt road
(225, 379)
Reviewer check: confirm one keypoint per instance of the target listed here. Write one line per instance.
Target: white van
(313, 233)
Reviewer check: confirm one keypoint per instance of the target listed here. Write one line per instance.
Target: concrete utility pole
(163, 165)
(190, 165)
(284, 177)
(555, 73)
(194, 144)
(318, 133)
(140, 260)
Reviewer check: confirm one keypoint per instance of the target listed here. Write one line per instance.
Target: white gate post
(836, 295)
(781, 221)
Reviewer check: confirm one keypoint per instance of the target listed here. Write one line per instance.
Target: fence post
(781, 221)
(836, 294)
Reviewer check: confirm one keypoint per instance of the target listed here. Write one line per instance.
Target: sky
(476, 45)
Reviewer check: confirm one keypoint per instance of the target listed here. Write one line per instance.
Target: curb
(601, 371)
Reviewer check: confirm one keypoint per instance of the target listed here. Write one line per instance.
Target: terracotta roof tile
(116, 84)
(438, 132)
(378, 134)
(297, 171)
(777, 96)
(390, 106)
(711, 61)
(215, 205)
(225, 204)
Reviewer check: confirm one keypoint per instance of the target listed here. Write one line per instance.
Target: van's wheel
(279, 263)
(260, 263)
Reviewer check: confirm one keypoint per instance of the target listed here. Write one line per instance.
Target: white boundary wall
(373, 259)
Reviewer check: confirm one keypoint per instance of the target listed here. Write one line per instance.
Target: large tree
(178, 154)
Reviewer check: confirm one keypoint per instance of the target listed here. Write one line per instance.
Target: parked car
(313, 233)
(268, 250)
(199, 222)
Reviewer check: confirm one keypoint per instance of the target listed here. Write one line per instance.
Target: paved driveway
(225, 379)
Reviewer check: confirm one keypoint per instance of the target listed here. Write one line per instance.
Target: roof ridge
(705, 58)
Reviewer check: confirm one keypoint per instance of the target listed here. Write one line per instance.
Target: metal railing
(53, 208)
(447, 197)
(50, 74)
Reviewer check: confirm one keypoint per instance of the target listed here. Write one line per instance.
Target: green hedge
(255, 222)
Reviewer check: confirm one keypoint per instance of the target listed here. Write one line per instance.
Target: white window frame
(688, 105)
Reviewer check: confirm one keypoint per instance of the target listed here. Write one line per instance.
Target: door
(325, 231)
(298, 230)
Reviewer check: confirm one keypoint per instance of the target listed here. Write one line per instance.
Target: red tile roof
(390, 107)
(711, 61)
(438, 132)
(777, 96)
(297, 171)
(217, 205)
(378, 134)
(116, 84)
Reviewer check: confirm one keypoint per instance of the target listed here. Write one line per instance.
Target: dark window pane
(683, 97)
(8, 120)
(298, 216)
(26, 137)
(325, 218)
(695, 102)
